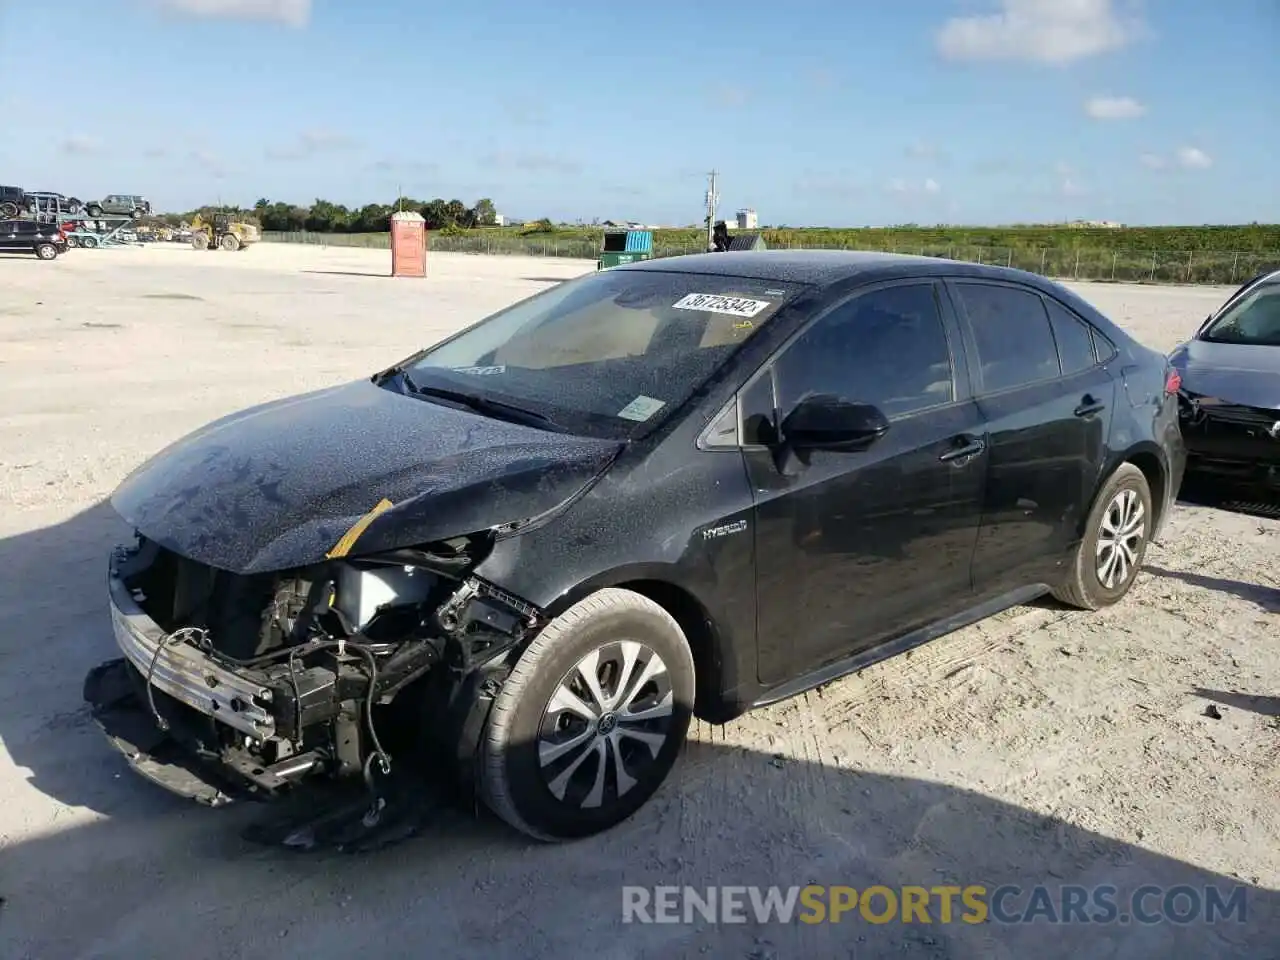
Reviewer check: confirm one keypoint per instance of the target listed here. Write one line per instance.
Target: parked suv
(45, 240)
(688, 486)
(120, 204)
(13, 200)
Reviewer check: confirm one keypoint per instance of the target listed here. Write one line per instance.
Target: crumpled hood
(1246, 375)
(276, 486)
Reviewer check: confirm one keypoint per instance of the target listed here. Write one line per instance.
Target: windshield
(1255, 320)
(607, 354)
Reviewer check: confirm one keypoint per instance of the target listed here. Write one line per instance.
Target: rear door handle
(1089, 406)
(965, 447)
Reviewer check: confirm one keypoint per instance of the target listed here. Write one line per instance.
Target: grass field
(1207, 254)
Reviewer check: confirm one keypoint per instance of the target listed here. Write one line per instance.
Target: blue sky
(814, 112)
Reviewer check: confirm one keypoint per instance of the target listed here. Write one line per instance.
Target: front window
(1253, 320)
(609, 354)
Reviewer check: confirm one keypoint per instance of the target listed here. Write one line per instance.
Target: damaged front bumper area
(1232, 443)
(233, 687)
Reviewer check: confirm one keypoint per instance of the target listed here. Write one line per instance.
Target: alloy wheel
(1120, 539)
(605, 724)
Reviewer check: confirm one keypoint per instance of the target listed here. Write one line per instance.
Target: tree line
(324, 216)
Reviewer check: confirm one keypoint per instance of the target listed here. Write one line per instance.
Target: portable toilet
(747, 241)
(625, 246)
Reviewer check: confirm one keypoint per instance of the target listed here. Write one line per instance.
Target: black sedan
(688, 486)
(1230, 373)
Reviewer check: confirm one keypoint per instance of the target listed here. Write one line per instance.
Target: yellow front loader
(221, 232)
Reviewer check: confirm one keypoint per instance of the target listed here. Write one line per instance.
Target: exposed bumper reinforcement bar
(186, 673)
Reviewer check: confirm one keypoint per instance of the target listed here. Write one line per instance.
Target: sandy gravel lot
(1043, 746)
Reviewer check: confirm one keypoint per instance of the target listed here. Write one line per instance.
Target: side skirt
(891, 648)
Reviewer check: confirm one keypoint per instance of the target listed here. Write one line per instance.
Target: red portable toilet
(408, 244)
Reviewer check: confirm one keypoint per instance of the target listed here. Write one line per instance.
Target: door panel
(1047, 433)
(853, 548)
(858, 547)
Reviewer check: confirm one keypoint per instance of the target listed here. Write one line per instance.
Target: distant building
(747, 219)
(1095, 224)
(499, 220)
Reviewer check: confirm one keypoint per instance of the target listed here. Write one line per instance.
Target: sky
(813, 112)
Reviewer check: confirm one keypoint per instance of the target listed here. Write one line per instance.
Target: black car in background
(13, 201)
(45, 240)
(1230, 390)
(688, 486)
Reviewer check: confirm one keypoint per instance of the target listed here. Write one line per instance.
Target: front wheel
(93, 210)
(1115, 542)
(591, 720)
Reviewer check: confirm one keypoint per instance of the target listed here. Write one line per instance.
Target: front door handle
(1089, 406)
(964, 447)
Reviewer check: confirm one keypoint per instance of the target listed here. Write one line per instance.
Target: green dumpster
(625, 246)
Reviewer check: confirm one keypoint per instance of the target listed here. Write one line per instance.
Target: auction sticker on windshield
(713, 303)
(641, 408)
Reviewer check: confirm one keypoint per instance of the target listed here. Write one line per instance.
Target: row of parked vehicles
(15, 202)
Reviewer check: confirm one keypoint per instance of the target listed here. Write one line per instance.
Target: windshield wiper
(485, 405)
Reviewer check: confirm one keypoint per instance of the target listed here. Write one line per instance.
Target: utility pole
(712, 200)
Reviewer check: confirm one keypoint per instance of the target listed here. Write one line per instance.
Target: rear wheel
(73, 242)
(230, 242)
(591, 720)
(88, 242)
(46, 251)
(8, 210)
(93, 210)
(1114, 544)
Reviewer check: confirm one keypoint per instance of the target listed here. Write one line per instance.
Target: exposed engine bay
(321, 673)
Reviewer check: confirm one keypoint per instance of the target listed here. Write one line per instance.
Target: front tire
(591, 719)
(1115, 542)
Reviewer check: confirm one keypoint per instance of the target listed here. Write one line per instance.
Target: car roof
(826, 267)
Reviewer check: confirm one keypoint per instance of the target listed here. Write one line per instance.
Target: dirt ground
(1042, 746)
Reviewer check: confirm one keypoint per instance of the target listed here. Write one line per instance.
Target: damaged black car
(1230, 392)
(522, 559)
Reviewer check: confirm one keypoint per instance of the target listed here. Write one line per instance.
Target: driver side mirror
(827, 422)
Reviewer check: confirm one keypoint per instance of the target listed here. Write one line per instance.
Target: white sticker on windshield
(712, 303)
(641, 408)
(480, 371)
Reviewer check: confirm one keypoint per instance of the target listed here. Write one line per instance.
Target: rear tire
(8, 210)
(1114, 545)
(94, 211)
(230, 242)
(88, 242)
(591, 720)
(46, 251)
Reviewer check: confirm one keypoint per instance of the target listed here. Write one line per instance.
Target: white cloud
(80, 145)
(924, 151)
(1193, 158)
(907, 188)
(1070, 188)
(295, 13)
(1063, 169)
(1114, 108)
(309, 143)
(1039, 31)
(1153, 161)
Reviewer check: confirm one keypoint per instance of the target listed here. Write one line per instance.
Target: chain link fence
(1069, 263)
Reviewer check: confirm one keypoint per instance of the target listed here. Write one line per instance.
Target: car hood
(275, 486)
(1247, 375)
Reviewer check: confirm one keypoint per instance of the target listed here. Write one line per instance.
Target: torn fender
(277, 486)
